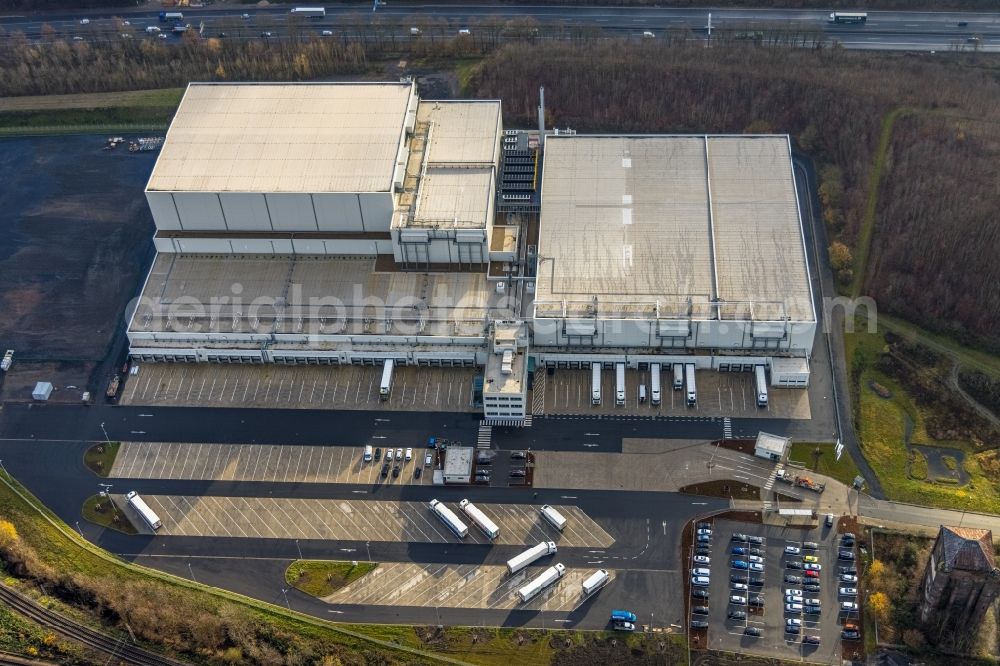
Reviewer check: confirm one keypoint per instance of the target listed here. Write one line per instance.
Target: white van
(368, 453)
(678, 376)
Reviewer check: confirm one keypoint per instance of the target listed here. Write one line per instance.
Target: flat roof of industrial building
(284, 137)
(656, 225)
(306, 293)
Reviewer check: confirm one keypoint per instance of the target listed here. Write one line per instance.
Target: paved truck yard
(307, 387)
(462, 586)
(361, 520)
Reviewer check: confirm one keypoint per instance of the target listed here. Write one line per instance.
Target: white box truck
(620, 384)
(481, 520)
(449, 518)
(385, 388)
(8, 360)
(761, 378)
(595, 581)
(529, 556)
(692, 390)
(553, 517)
(678, 376)
(542, 581)
(654, 393)
(595, 383)
(147, 514)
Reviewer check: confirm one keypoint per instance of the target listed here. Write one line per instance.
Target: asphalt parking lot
(308, 387)
(568, 391)
(286, 463)
(462, 586)
(727, 633)
(361, 520)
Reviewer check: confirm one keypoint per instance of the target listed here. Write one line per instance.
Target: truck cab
(623, 616)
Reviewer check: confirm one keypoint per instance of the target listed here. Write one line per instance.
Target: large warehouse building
(355, 223)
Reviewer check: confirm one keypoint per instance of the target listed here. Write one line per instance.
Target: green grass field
(100, 511)
(322, 578)
(101, 457)
(844, 470)
(97, 112)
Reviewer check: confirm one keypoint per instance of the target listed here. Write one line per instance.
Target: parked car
(704, 526)
(755, 558)
(848, 606)
(850, 571)
(518, 455)
(408, 456)
(739, 564)
(810, 558)
(702, 559)
(326, 33)
(388, 455)
(848, 591)
(385, 470)
(737, 615)
(811, 588)
(757, 601)
(812, 574)
(740, 587)
(845, 555)
(848, 578)
(704, 538)
(793, 599)
(395, 471)
(794, 580)
(428, 460)
(813, 610)
(399, 454)
(829, 520)
(793, 608)
(756, 540)
(755, 551)
(700, 581)
(810, 545)
(812, 566)
(704, 531)
(815, 603)
(794, 564)
(484, 460)
(810, 640)
(755, 581)
(753, 631)
(850, 635)
(792, 592)
(791, 628)
(701, 571)
(738, 550)
(699, 594)
(699, 610)
(417, 472)
(739, 536)
(756, 566)
(793, 550)
(738, 578)
(738, 600)
(699, 624)
(701, 550)
(517, 473)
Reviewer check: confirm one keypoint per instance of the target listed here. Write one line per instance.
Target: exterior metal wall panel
(199, 211)
(338, 212)
(376, 211)
(252, 246)
(203, 246)
(245, 211)
(291, 212)
(161, 204)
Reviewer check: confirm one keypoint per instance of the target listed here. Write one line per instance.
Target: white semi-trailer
(678, 376)
(595, 581)
(148, 515)
(595, 383)
(553, 517)
(542, 581)
(385, 388)
(692, 390)
(761, 379)
(654, 370)
(309, 12)
(620, 384)
(481, 520)
(449, 518)
(529, 556)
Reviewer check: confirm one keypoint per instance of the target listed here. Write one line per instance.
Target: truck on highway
(385, 388)
(595, 581)
(148, 515)
(620, 384)
(308, 12)
(449, 518)
(540, 582)
(848, 17)
(553, 517)
(654, 394)
(799, 481)
(171, 16)
(761, 380)
(8, 360)
(529, 556)
(692, 389)
(481, 520)
(595, 383)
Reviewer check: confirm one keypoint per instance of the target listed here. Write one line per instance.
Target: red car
(811, 574)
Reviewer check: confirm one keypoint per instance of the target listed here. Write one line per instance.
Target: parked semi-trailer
(692, 390)
(481, 520)
(519, 562)
(553, 517)
(385, 388)
(595, 581)
(678, 376)
(147, 514)
(542, 581)
(759, 376)
(619, 384)
(449, 518)
(595, 383)
(654, 394)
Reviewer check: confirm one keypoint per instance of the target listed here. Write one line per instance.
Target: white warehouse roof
(630, 224)
(288, 137)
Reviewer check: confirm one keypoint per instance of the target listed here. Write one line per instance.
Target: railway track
(115, 648)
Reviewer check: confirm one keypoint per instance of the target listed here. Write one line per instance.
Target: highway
(887, 30)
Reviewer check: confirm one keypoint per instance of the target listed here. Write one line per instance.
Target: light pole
(78, 529)
(299, 548)
(191, 571)
(284, 593)
(106, 438)
(369, 550)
